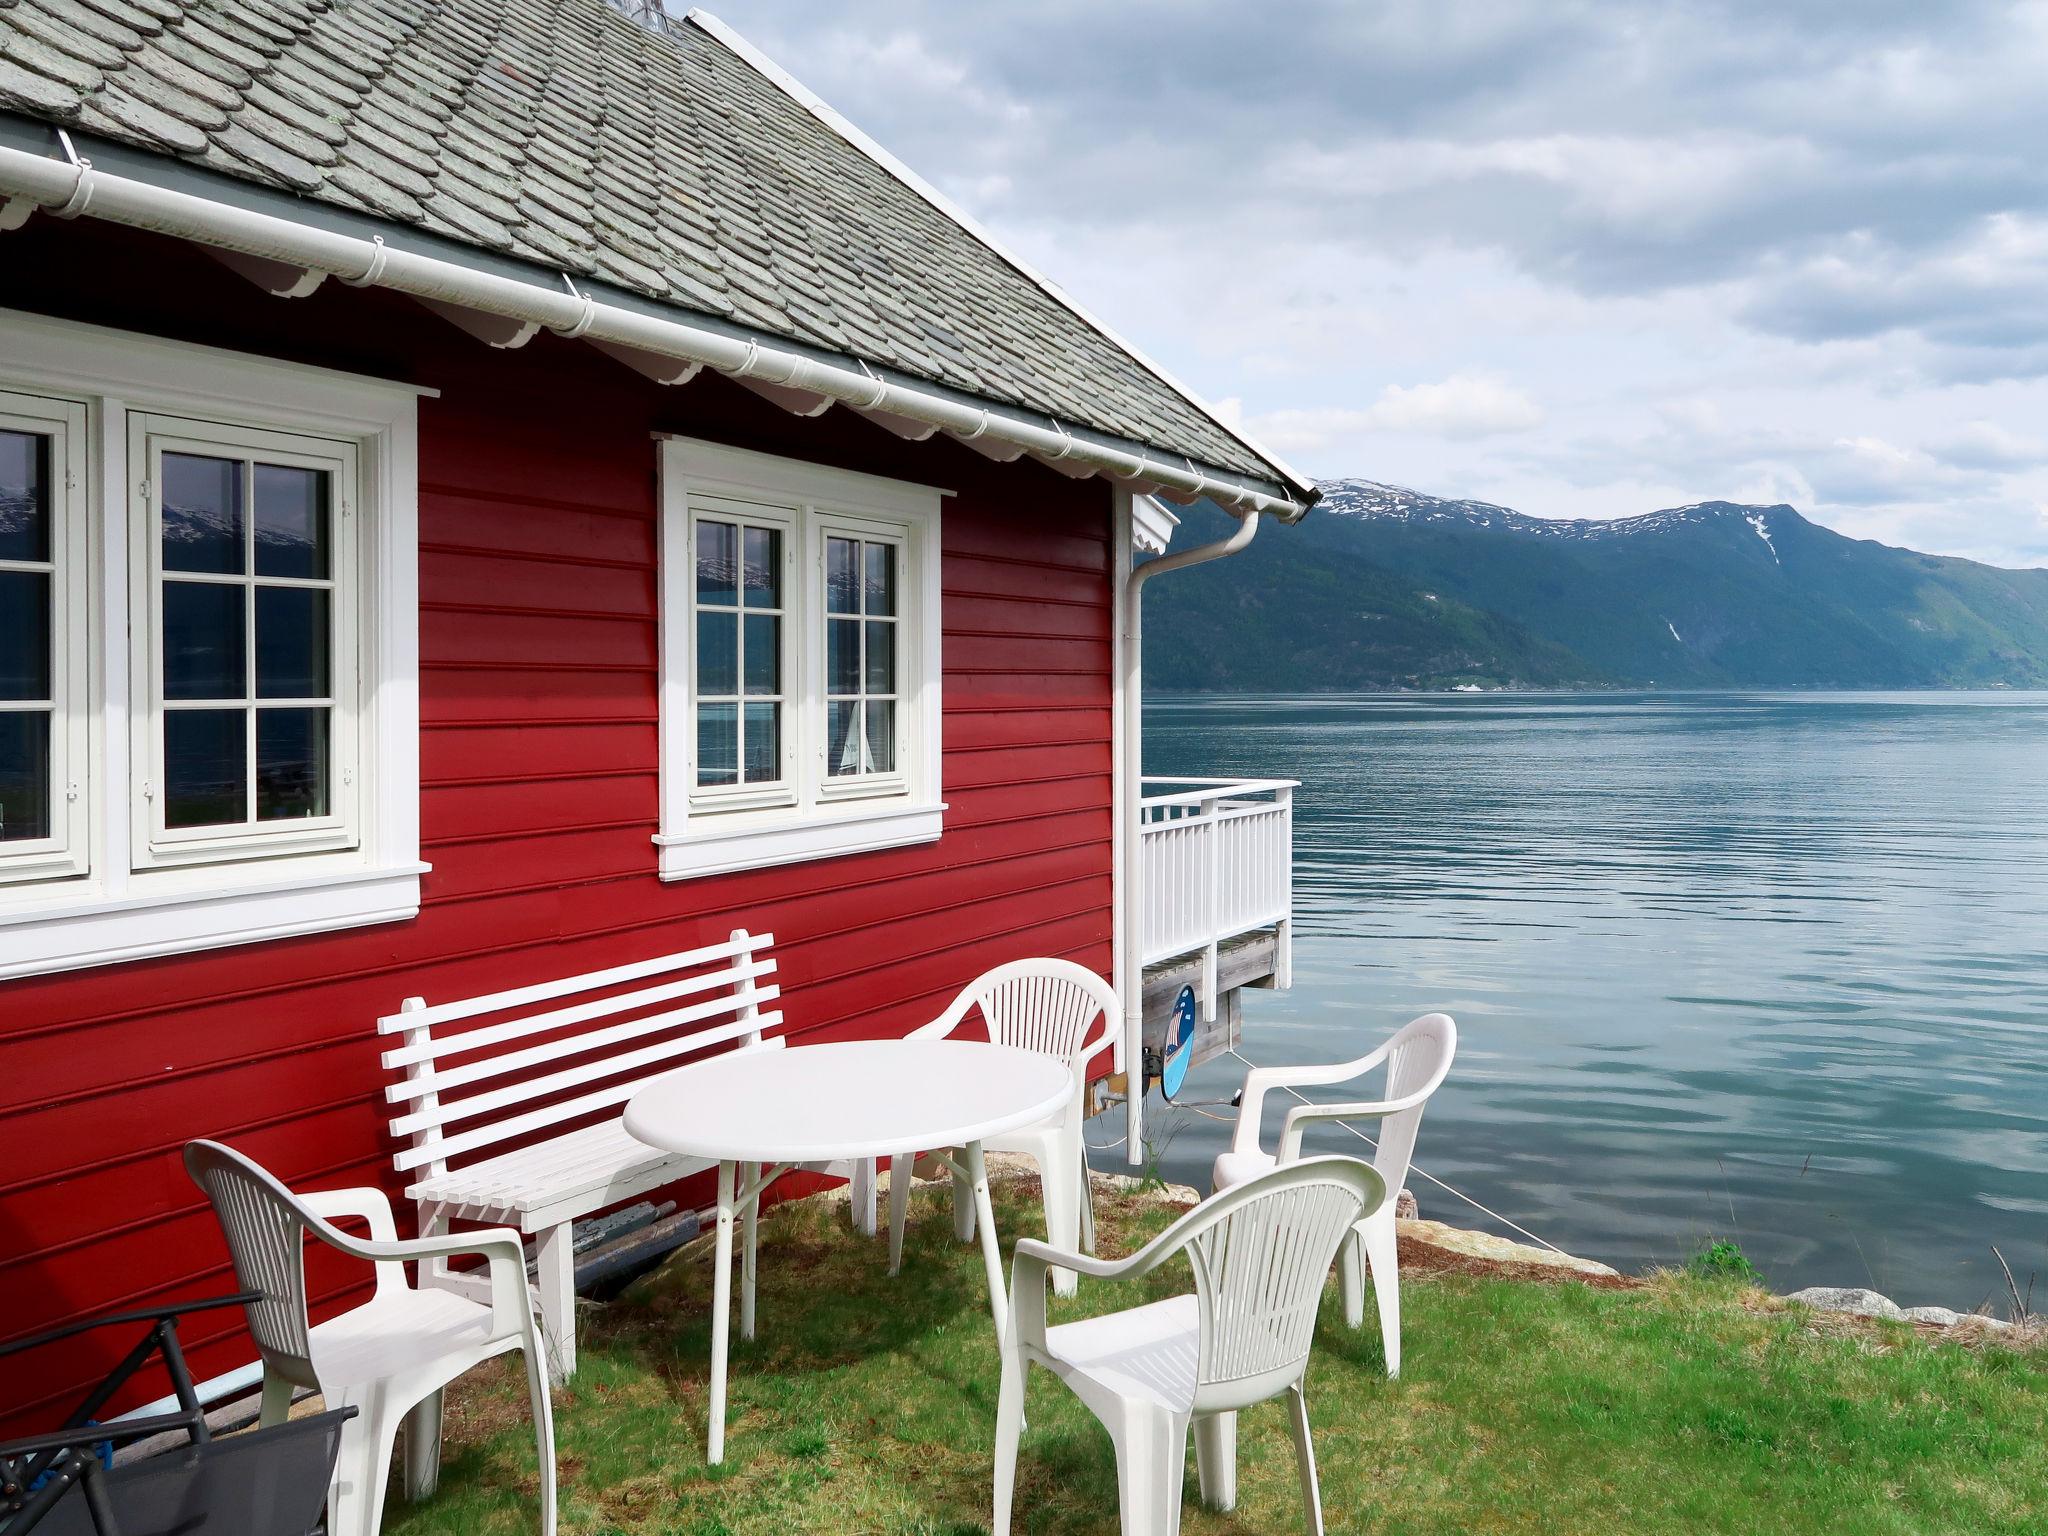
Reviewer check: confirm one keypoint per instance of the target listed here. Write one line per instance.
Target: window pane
(24, 490)
(842, 737)
(291, 764)
(881, 734)
(842, 576)
(764, 568)
(202, 513)
(24, 775)
(764, 743)
(292, 641)
(718, 746)
(291, 521)
(881, 559)
(717, 562)
(206, 769)
(881, 669)
(718, 657)
(764, 653)
(203, 641)
(842, 655)
(24, 635)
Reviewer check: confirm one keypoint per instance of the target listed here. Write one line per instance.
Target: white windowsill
(726, 850)
(68, 933)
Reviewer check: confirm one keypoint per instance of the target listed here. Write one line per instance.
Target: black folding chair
(260, 1482)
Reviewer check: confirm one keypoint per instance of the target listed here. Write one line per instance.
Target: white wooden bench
(514, 1118)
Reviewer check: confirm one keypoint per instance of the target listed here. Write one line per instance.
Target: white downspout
(1131, 702)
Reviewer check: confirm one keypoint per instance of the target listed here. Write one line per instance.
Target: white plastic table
(760, 1113)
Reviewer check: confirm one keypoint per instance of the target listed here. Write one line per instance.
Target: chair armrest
(1031, 1262)
(1301, 1116)
(1260, 1081)
(364, 1202)
(501, 1247)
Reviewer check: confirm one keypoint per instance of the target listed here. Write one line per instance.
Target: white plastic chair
(1049, 1006)
(1260, 1255)
(388, 1358)
(1417, 1058)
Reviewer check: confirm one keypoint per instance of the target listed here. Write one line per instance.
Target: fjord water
(1764, 966)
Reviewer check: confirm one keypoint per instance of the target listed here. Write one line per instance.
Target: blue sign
(1180, 1044)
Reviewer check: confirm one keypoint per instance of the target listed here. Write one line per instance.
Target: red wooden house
(489, 492)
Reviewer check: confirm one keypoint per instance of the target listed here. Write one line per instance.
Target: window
(248, 648)
(208, 654)
(44, 704)
(800, 656)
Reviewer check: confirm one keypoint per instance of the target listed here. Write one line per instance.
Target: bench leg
(555, 1250)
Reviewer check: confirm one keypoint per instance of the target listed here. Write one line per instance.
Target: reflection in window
(738, 666)
(28, 576)
(246, 641)
(861, 656)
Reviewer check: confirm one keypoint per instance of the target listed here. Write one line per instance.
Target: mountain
(1384, 587)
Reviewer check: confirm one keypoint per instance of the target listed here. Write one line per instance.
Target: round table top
(856, 1098)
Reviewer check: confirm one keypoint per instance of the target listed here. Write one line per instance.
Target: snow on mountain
(1371, 501)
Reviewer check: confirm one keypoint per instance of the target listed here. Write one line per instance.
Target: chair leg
(1059, 1186)
(963, 1200)
(1383, 1254)
(555, 1256)
(899, 1205)
(277, 1401)
(1087, 1204)
(355, 1499)
(1151, 1460)
(423, 1447)
(1305, 1459)
(1009, 1427)
(861, 1196)
(1216, 1459)
(1351, 1279)
(543, 1429)
(750, 1173)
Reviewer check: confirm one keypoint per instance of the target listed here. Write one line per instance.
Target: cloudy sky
(1582, 259)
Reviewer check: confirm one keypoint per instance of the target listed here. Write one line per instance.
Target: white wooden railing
(1216, 859)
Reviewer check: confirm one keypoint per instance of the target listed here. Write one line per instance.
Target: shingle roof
(562, 132)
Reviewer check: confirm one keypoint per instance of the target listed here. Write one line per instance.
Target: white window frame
(811, 815)
(155, 846)
(131, 896)
(64, 852)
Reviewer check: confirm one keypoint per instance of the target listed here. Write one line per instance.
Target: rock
(1856, 1302)
(1941, 1317)
(1484, 1245)
(1405, 1208)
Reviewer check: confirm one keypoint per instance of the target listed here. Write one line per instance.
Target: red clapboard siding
(539, 760)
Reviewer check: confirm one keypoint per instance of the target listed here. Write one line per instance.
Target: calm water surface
(1765, 966)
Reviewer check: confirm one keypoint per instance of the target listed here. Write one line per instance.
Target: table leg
(721, 1318)
(750, 1178)
(991, 1248)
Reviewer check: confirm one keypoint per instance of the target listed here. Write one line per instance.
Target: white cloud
(1464, 406)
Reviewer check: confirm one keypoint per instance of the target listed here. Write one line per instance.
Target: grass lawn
(868, 1404)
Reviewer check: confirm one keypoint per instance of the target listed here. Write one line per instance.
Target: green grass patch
(867, 1405)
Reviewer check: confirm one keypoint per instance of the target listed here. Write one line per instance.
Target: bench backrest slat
(450, 1110)
(461, 1042)
(723, 984)
(741, 942)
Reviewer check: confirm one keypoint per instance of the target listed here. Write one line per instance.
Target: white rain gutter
(71, 188)
(1131, 698)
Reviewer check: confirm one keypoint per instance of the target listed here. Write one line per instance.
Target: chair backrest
(1044, 1005)
(1418, 1059)
(534, 1064)
(1261, 1252)
(265, 1226)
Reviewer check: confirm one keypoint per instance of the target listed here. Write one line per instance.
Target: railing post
(1283, 961)
(1212, 914)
